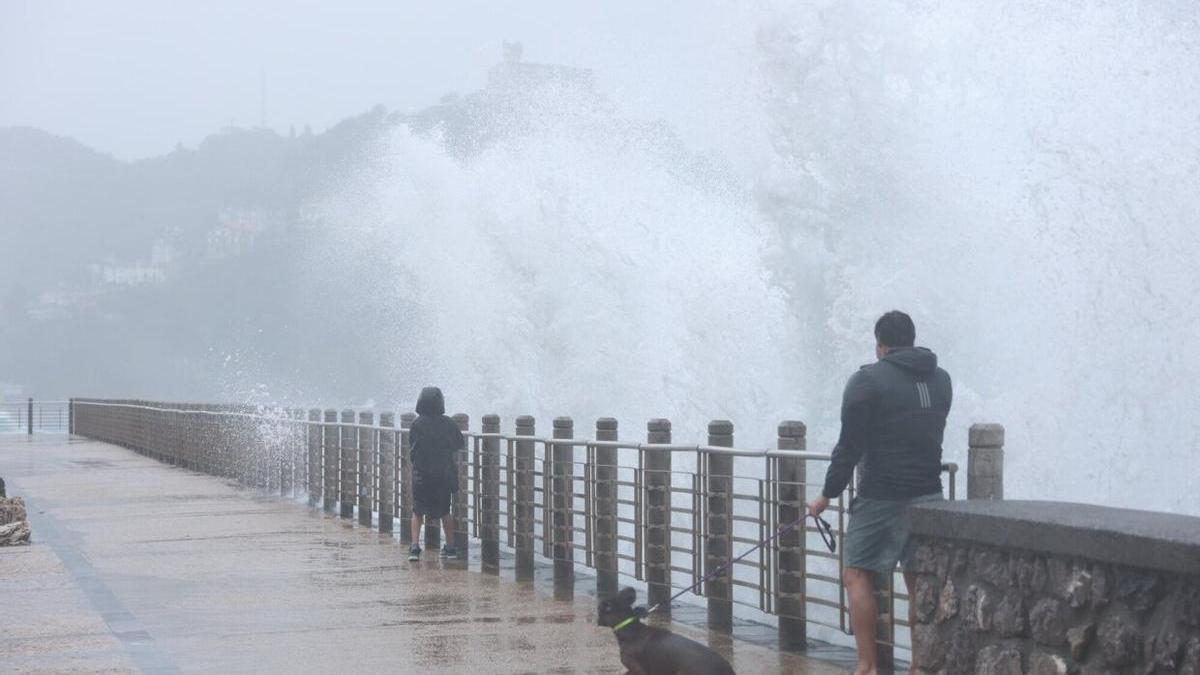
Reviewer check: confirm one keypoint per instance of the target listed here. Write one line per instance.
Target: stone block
(947, 605)
(958, 561)
(14, 529)
(986, 436)
(1042, 663)
(925, 557)
(986, 462)
(1101, 585)
(925, 598)
(1047, 624)
(1119, 640)
(998, 660)
(1191, 658)
(991, 566)
(1187, 605)
(12, 510)
(978, 606)
(15, 534)
(1163, 652)
(1010, 620)
(961, 654)
(1058, 575)
(1027, 572)
(1079, 637)
(929, 649)
(1139, 591)
(1078, 589)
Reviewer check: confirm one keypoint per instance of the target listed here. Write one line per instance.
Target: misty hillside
(108, 258)
(184, 275)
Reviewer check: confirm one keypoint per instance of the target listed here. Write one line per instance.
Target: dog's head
(619, 607)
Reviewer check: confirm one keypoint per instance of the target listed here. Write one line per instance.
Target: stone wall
(1050, 588)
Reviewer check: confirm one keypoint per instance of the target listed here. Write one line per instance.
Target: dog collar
(624, 623)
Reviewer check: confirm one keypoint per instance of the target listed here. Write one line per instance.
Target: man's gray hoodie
(893, 417)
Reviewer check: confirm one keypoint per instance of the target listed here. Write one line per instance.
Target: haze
(682, 210)
(133, 78)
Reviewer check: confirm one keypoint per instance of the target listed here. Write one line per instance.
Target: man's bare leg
(417, 521)
(861, 590)
(448, 528)
(910, 583)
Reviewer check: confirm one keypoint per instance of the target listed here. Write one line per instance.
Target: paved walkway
(138, 566)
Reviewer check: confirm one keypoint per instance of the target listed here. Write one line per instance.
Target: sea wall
(1055, 588)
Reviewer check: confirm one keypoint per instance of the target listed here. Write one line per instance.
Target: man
(893, 415)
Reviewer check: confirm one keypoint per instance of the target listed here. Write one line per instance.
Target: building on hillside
(514, 74)
(236, 231)
(141, 272)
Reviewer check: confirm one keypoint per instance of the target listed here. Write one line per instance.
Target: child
(435, 439)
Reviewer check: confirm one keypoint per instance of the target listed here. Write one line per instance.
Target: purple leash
(822, 527)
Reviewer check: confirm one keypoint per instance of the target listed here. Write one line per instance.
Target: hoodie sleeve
(858, 404)
(416, 444)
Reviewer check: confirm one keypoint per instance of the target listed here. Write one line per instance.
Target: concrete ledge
(1146, 539)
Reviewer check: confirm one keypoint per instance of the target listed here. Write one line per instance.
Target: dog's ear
(626, 597)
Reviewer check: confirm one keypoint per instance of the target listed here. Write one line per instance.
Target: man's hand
(816, 506)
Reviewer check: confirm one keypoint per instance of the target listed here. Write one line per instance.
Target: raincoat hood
(431, 402)
(917, 360)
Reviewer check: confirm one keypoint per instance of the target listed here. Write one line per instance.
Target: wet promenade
(140, 566)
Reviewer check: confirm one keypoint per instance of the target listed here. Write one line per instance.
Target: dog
(649, 650)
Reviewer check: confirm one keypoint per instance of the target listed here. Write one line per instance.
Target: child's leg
(417, 521)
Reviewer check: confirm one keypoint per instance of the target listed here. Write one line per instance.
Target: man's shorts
(877, 537)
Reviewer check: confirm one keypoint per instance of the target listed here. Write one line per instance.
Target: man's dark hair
(895, 329)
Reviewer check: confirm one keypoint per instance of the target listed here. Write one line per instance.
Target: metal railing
(656, 511)
(30, 416)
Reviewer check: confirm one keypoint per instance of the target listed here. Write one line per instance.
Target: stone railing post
(489, 496)
(562, 472)
(368, 462)
(790, 592)
(387, 471)
(314, 457)
(656, 486)
(406, 500)
(299, 452)
(605, 496)
(348, 450)
(329, 444)
(522, 503)
(719, 512)
(459, 503)
(985, 462)
(222, 432)
(287, 455)
(70, 416)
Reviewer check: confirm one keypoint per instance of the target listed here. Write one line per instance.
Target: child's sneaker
(414, 553)
(449, 551)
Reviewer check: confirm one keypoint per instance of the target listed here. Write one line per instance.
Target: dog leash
(822, 526)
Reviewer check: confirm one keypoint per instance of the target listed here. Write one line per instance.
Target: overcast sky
(134, 77)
